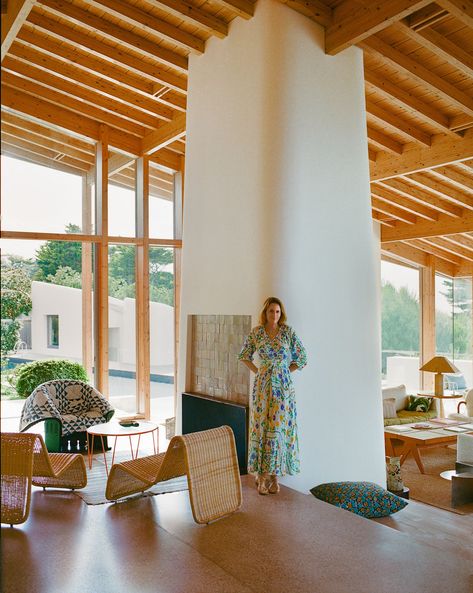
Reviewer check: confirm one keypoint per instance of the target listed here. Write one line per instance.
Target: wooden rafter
(398, 123)
(404, 202)
(411, 255)
(352, 22)
(445, 225)
(164, 135)
(12, 21)
(461, 9)
(195, 16)
(243, 8)
(445, 191)
(315, 10)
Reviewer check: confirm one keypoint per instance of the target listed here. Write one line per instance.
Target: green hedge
(32, 374)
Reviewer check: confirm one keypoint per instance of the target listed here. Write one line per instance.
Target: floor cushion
(366, 499)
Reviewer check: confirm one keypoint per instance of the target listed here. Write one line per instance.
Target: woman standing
(273, 446)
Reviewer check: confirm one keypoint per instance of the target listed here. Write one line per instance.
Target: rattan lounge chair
(209, 460)
(26, 461)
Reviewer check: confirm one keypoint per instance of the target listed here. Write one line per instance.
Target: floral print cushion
(362, 498)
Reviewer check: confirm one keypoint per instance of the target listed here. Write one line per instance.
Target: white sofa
(403, 416)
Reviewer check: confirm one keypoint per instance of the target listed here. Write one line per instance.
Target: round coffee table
(113, 429)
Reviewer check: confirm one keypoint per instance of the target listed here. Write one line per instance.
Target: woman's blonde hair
(270, 301)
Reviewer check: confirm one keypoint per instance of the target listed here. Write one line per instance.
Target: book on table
(456, 428)
(445, 421)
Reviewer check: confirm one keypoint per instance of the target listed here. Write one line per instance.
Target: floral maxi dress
(273, 445)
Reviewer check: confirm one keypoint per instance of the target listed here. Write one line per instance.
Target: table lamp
(439, 365)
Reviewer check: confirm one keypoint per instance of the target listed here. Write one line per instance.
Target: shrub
(32, 374)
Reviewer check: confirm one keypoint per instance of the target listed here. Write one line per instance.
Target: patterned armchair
(68, 408)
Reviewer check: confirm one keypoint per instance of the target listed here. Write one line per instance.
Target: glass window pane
(121, 203)
(161, 279)
(121, 332)
(400, 325)
(48, 276)
(36, 198)
(161, 204)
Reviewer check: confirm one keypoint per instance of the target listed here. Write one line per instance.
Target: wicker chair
(209, 460)
(26, 461)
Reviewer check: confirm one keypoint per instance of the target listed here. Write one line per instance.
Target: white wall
(277, 203)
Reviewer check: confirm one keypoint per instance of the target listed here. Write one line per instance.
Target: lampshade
(439, 365)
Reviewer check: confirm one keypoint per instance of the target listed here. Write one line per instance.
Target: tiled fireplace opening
(214, 369)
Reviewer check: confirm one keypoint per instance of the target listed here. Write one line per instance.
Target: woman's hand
(293, 367)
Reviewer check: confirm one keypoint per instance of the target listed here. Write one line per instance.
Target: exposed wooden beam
(315, 10)
(77, 106)
(455, 175)
(406, 99)
(85, 18)
(12, 21)
(152, 72)
(51, 70)
(67, 120)
(402, 186)
(26, 152)
(408, 204)
(465, 240)
(391, 210)
(426, 17)
(149, 23)
(446, 225)
(430, 248)
(415, 69)
(359, 21)
(194, 15)
(397, 122)
(164, 135)
(384, 142)
(411, 255)
(465, 200)
(243, 8)
(464, 271)
(442, 47)
(444, 150)
(461, 9)
(166, 160)
(451, 247)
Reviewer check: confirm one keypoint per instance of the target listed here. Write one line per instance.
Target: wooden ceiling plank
(194, 15)
(58, 116)
(12, 20)
(103, 50)
(443, 151)
(442, 47)
(359, 21)
(62, 100)
(387, 208)
(446, 225)
(406, 99)
(461, 122)
(384, 142)
(47, 143)
(415, 69)
(464, 240)
(382, 218)
(110, 30)
(396, 199)
(461, 9)
(408, 190)
(437, 251)
(151, 24)
(164, 135)
(105, 69)
(44, 132)
(444, 191)
(315, 10)
(165, 160)
(243, 8)
(397, 122)
(55, 69)
(453, 174)
(23, 155)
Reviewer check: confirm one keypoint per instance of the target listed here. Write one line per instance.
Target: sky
(36, 198)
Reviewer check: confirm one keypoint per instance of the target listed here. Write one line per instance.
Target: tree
(66, 276)
(15, 301)
(56, 254)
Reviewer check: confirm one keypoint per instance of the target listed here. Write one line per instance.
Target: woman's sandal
(261, 484)
(273, 485)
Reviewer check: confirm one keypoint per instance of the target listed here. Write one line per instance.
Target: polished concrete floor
(287, 543)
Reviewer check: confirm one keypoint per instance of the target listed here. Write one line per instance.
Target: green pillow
(362, 498)
(418, 404)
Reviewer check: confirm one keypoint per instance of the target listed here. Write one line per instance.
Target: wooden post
(427, 325)
(178, 222)
(101, 263)
(87, 360)
(143, 403)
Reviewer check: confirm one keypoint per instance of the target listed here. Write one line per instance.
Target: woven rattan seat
(26, 461)
(209, 460)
